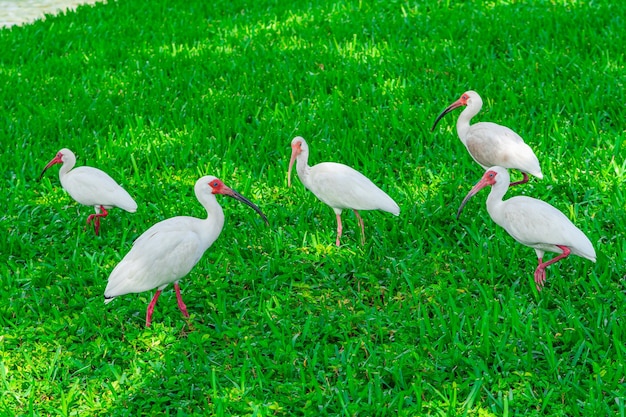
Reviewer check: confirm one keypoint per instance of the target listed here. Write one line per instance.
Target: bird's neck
(215, 214)
(463, 122)
(495, 203)
(303, 168)
(65, 168)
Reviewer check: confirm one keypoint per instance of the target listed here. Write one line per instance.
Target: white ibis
(167, 251)
(491, 144)
(532, 222)
(91, 187)
(339, 186)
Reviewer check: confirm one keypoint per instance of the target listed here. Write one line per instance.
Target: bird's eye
(214, 184)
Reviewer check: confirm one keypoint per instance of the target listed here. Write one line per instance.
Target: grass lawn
(432, 316)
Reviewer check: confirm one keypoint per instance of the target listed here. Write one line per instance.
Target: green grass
(432, 316)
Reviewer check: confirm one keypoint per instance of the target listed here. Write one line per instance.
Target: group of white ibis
(168, 250)
(530, 221)
(164, 253)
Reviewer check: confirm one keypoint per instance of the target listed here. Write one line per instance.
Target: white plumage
(167, 251)
(91, 187)
(491, 144)
(532, 222)
(339, 186)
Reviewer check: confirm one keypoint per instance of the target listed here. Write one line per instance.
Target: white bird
(532, 222)
(167, 251)
(491, 144)
(339, 186)
(91, 187)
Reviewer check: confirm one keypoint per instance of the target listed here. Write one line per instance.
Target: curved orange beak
(58, 159)
(295, 151)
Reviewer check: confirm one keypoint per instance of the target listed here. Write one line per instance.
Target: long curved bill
(294, 154)
(56, 160)
(479, 186)
(234, 194)
(447, 110)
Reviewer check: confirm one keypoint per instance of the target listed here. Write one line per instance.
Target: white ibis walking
(91, 187)
(339, 186)
(532, 222)
(168, 251)
(491, 144)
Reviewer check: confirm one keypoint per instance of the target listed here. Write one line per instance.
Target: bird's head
(298, 146)
(490, 177)
(467, 98)
(61, 157)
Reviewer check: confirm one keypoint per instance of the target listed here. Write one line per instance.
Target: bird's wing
(536, 223)
(343, 187)
(91, 187)
(159, 257)
(492, 144)
(173, 224)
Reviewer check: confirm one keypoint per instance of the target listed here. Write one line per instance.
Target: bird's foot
(540, 277)
(179, 300)
(96, 222)
(183, 309)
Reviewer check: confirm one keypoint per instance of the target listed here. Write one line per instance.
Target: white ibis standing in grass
(532, 222)
(168, 251)
(91, 187)
(491, 144)
(339, 186)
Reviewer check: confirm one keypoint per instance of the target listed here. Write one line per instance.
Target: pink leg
(540, 272)
(181, 305)
(96, 219)
(540, 276)
(339, 229)
(358, 216)
(522, 181)
(151, 307)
